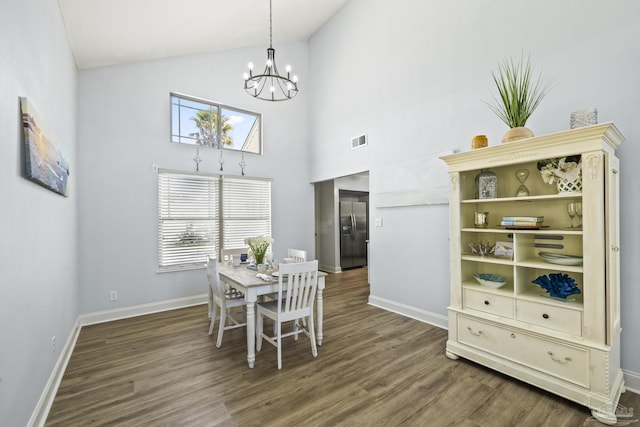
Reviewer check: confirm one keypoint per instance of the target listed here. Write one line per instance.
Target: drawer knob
(486, 302)
(513, 335)
(477, 334)
(545, 316)
(557, 359)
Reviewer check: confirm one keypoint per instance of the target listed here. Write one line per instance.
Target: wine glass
(571, 210)
(579, 213)
(522, 175)
(268, 260)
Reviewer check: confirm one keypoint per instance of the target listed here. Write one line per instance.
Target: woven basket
(566, 186)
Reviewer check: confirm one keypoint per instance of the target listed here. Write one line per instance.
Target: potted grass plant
(519, 94)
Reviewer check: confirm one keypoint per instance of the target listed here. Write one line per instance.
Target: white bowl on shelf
(490, 280)
(561, 259)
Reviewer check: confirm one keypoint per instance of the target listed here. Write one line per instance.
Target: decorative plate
(490, 280)
(561, 259)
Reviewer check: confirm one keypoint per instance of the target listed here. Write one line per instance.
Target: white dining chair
(298, 255)
(225, 256)
(225, 300)
(297, 285)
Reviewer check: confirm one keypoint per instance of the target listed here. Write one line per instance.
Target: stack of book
(522, 221)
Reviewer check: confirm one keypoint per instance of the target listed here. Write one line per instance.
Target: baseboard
(41, 411)
(140, 310)
(632, 382)
(329, 269)
(409, 311)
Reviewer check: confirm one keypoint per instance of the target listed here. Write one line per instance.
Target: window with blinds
(198, 215)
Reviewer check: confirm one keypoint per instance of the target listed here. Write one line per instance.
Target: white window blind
(188, 218)
(190, 224)
(246, 207)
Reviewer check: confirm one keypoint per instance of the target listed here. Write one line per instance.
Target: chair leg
(259, 321)
(223, 322)
(213, 314)
(312, 337)
(210, 303)
(296, 327)
(279, 341)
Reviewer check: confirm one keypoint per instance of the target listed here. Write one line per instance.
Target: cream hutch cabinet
(571, 346)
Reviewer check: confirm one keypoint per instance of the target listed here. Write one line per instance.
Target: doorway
(328, 227)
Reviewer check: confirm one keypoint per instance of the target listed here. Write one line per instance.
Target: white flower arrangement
(565, 167)
(259, 246)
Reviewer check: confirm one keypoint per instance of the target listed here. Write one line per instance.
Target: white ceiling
(107, 32)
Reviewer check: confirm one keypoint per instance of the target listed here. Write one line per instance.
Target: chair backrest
(297, 285)
(214, 278)
(226, 253)
(298, 255)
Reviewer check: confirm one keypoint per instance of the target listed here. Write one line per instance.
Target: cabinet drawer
(550, 316)
(489, 303)
(561, 360)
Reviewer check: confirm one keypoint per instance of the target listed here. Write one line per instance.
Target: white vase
(566, 186)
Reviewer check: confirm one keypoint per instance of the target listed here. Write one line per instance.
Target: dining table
(245, 279)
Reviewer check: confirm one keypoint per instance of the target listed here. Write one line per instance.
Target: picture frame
(503, 250)
(44, 163)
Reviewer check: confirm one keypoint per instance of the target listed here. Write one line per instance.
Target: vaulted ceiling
(107, 32)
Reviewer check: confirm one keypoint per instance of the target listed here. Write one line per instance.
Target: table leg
(319, 310)
(251, 333)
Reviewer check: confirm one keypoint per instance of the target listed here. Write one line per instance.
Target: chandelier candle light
(270, 85)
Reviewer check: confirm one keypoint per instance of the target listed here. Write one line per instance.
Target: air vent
(359, 141)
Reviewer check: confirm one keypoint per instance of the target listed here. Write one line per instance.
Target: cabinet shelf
(539, 263)
(541, 231)
(538, 296)
(506, 290)
(486, 259)
(572, 195)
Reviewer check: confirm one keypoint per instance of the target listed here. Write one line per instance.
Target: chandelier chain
(270, 25)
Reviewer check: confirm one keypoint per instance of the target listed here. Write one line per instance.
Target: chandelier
(270, 85)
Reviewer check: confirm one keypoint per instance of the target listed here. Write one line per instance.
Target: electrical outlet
(53, 344)
(113, 296)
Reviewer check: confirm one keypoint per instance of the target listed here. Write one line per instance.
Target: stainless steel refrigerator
(353, 234)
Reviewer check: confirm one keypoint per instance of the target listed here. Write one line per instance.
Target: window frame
(255, 131)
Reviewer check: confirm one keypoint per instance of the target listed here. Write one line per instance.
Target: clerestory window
(209, 124)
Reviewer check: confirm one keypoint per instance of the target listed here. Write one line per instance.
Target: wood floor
(375, 368)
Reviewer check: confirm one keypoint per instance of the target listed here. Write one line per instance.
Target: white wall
(414, 74)
(326, 220)
(38, 237)
(123, 129)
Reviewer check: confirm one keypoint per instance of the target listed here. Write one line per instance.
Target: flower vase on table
(259, 258)
(259, 246)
